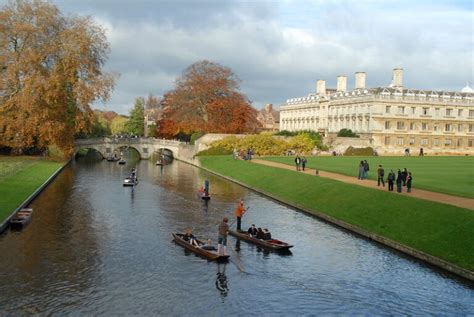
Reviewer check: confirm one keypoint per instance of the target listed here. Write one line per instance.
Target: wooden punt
(208, 254)
(272, 244)
(160, 163)
(122, 162)
(22, 218)
(203, 195)
(129, 181)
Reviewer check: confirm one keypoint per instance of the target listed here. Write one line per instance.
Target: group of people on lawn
(401, 178)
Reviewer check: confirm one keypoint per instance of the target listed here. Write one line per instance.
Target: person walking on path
(409, 180)
(303, 162)
(206, 187)
(399, 181)
(366, 169)
(390, 180)
(404, 177)
(297, 162)
(380, 176)
(361, 170)
(222, 238)
(239, 212)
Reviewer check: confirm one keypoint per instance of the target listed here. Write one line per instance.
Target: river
(95, 247)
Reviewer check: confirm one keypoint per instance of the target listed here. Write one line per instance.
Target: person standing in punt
(222, 238)
(239, 212)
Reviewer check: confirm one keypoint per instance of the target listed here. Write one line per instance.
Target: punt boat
(272, 244)
(22, 218)
(208, 254)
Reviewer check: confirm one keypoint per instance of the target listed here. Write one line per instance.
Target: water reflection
(221, 280)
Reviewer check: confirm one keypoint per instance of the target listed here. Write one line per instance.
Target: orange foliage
(50, 73)
(206, 99)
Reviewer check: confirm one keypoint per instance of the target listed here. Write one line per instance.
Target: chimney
(397, 79)
(341, 83)
(269, 107)
(360, 80)
(321, 88)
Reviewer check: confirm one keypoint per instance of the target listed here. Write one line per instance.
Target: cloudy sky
(280, 48)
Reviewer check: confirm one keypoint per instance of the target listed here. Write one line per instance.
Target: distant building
(393, 118)
(269, 118)
(151, 117)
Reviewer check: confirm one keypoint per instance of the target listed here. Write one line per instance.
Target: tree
(347, 133)
(206, 98)
(50, 73)
(136, 123)
(118, 125)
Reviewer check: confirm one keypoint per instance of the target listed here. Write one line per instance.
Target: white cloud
(279, 49)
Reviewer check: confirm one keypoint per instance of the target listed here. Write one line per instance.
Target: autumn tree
(136, 124)
(206, 98)
(118, 125)
(50, 73)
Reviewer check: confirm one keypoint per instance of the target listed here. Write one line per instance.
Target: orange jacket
(240, 210)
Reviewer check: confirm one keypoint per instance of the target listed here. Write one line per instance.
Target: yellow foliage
(266, 144)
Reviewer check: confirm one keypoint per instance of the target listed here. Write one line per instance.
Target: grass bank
(453, 175)
(440, 230)
(19, 178)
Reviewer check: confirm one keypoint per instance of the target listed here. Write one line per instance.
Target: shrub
(214, 151)
(366, 151)
(56, 154)
(195, 136)
(347, 133)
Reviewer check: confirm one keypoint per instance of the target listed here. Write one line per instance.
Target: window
(436, 127)
(424, 126)
(413, 109)
(449, 112)
(387, 125)
(412, 141)
(448, 127)
(459, 127)
(426, 110)
(447, 142)
(412, 125)
(437, 111)
(400, 125)
(387, 109)
(471, 127)
(424, 142)
(459, 112)
(107, 150)
(435, 142)
(471, 113)
(387, 140)
(459, 142)
(470, 143)
(401, 110)
(399, 141)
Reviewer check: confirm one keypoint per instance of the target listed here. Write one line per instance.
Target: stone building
(393, 118)
(269, 118)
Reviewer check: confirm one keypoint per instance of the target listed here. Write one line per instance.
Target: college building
(392, 118)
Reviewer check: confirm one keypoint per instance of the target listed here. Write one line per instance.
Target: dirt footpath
(417, 193)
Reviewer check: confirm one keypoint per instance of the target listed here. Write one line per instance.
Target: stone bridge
(144, 146)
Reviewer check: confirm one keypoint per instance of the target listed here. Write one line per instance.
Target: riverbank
(20, 178)
(452, 175)
(437, 233)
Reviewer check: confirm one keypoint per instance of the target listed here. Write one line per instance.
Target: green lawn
(452, 175)
(440, 230)
(19, 178)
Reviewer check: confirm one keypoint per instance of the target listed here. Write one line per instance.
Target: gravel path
(417, 193)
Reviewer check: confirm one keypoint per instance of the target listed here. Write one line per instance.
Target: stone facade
(269, 118)
(394, 117)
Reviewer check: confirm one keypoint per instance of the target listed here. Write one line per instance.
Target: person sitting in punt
(260, 233)
(208, 246)
(252, 231)
(188, 236)
(266, 234)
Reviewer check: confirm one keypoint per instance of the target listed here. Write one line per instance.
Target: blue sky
(280, 48)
